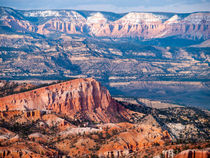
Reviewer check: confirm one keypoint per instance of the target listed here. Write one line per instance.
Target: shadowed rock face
(194, 154)
(80, 98)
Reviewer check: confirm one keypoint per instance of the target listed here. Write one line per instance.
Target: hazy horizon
(54, 9)
(118, 6)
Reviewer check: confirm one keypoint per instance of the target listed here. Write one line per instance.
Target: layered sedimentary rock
(80, 98)
(132, 24)
(142, 25)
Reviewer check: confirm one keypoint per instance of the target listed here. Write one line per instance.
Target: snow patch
(138, 18)
(36, 135)
(96, 18)
(44, 13)
(81, 130)
(198, 18)
(173, 19)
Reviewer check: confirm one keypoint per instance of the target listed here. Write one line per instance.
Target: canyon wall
(104, 24)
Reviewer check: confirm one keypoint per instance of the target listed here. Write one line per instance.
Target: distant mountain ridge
(119, 50)
(140, 25)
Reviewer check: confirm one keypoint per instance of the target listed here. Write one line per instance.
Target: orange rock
(79, 99)
(78, 147)
(38, 137)
(10, 114)
(131, 138)
(194, 154)
(53, 120)
(29, 149)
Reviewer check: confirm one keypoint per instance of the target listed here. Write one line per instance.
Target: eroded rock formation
(194, 154)
(80, 98)
(133, 24)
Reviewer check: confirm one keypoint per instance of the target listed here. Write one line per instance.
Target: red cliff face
(80, 98)
(194, 154)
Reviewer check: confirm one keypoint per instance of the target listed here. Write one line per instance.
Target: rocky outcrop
(194, 154)
(136, 137)
(79, 99)
(18, 25)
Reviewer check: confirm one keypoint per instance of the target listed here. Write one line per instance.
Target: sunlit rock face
(80, 98)
(193, 154)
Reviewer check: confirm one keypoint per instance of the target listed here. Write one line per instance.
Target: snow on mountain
(133, 24)
(62, 15)
(42, 13)
(96, 18)
(173, 19)
(198, 18)
(138, 18)
(72, 16)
